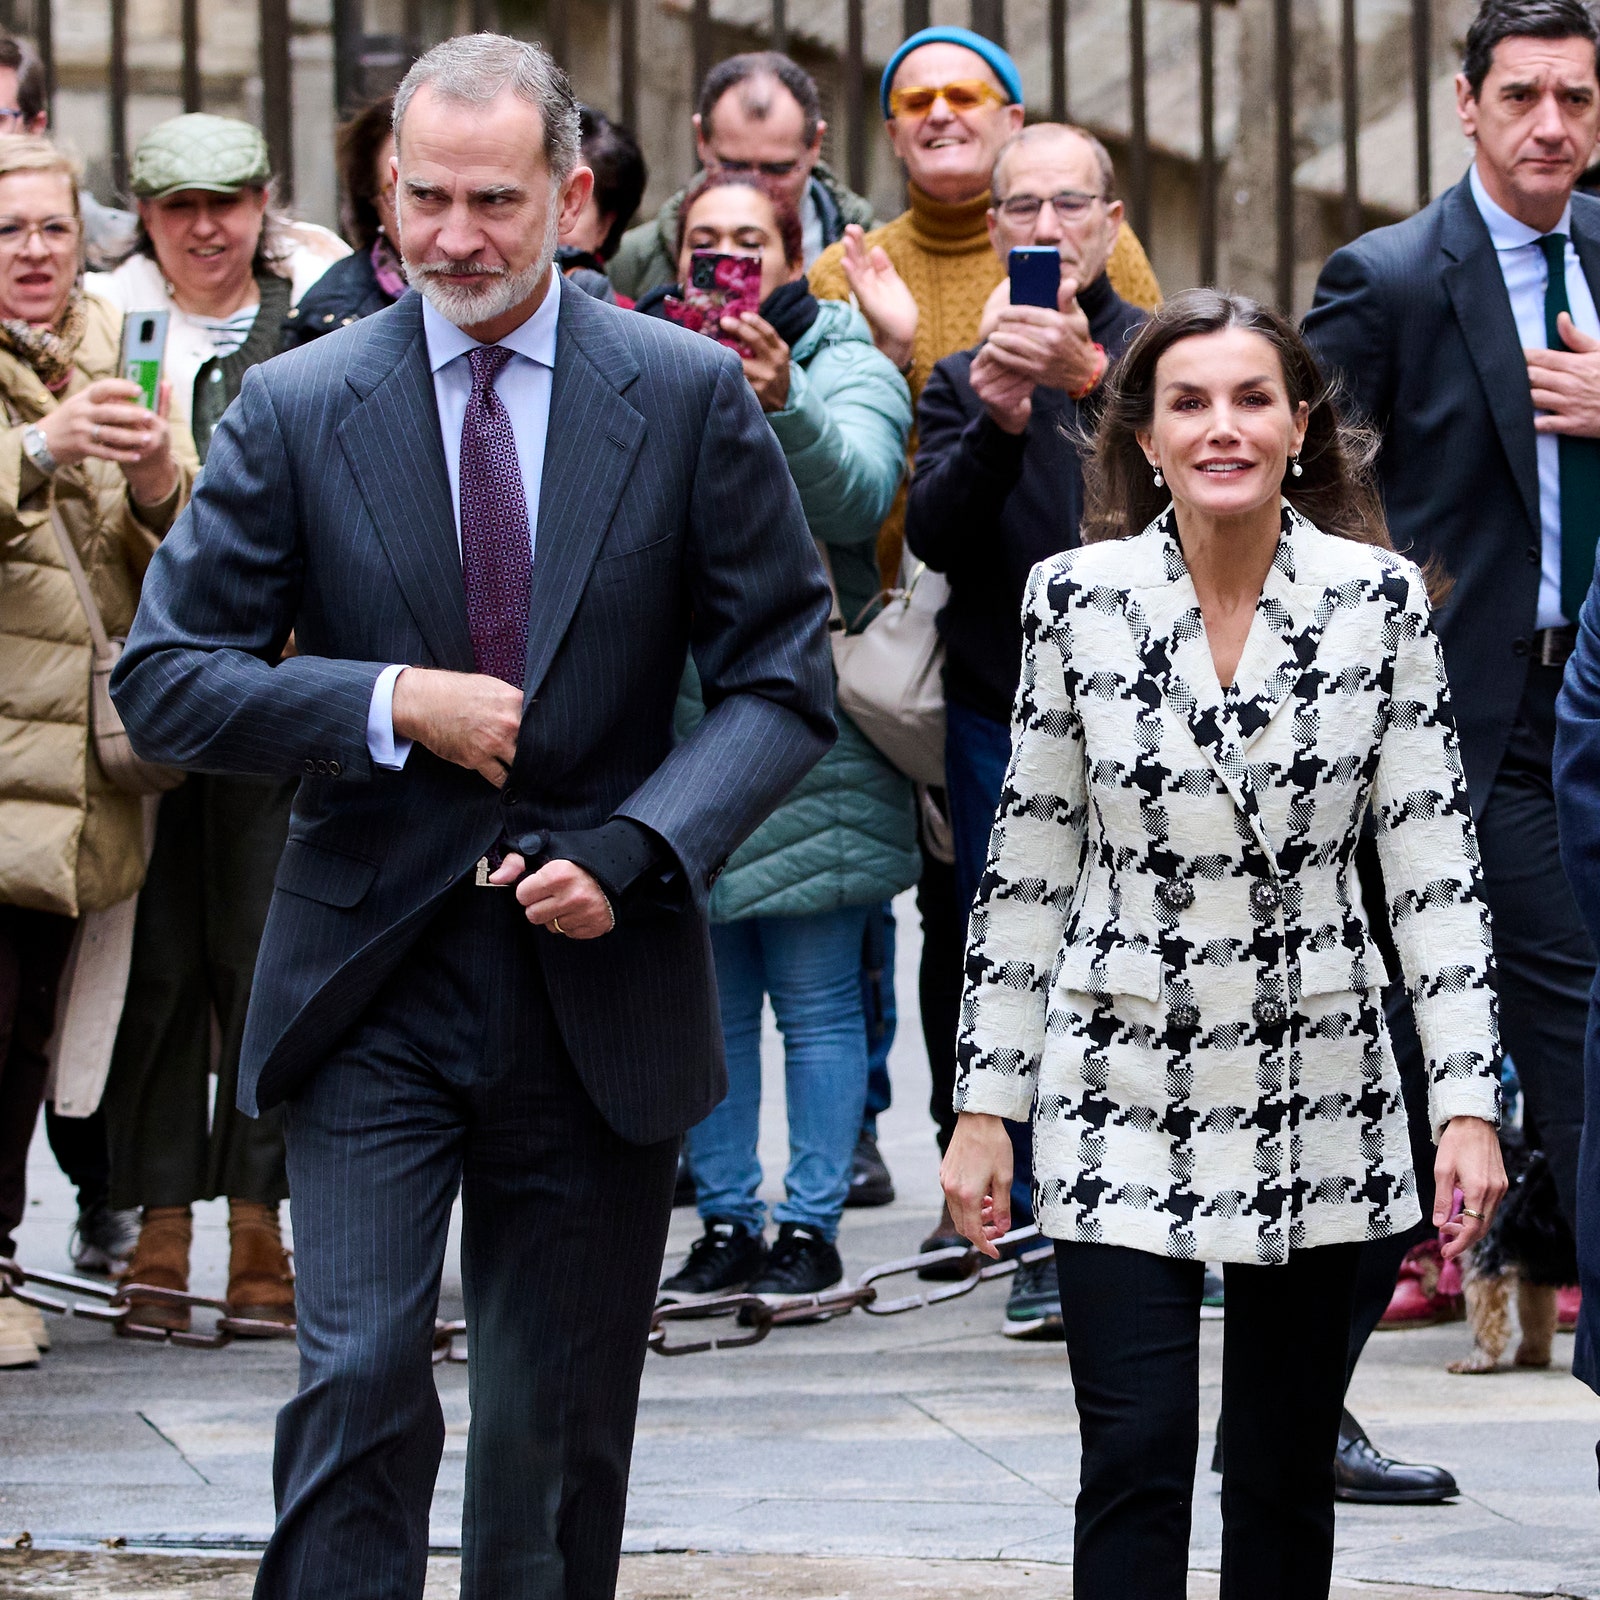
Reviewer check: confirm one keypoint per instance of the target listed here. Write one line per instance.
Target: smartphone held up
(144, 343)
(719, 285)
(1035, 272)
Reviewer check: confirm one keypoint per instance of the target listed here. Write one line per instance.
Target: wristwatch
(37, 450)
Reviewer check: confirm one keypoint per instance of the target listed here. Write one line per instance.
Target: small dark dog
(1528, 1251)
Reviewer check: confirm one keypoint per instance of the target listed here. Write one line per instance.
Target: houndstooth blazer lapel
(1170, 635)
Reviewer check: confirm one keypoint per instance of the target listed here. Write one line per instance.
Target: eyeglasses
(9, 115)
(1070, 205)
(58, 233)
(767, 169)
(967, 95)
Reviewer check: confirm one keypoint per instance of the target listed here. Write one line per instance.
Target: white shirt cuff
(382, 746)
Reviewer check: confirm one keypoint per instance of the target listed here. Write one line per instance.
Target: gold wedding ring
(1467, 1211)
(555, 923)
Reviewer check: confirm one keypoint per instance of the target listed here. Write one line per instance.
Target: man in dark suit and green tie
(1468, 336)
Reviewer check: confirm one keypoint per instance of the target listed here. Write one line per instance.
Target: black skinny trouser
(1133, 1336)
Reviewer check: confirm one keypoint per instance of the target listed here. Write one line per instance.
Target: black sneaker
(721, 1261)
(1033, 1309)
(801, 1263)
(103, 1240)
(870, 1183)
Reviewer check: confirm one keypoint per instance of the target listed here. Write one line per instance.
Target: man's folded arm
(200, 684)
(759, 603)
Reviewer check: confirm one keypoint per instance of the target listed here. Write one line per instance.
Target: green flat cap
(198, 151)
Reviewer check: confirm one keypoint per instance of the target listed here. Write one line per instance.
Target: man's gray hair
(477, 67)
(1037, 132)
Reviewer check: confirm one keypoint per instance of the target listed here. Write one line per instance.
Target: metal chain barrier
(112, 1303)
(756, 1319)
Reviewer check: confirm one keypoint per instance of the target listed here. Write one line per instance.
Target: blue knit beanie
(1005, 69)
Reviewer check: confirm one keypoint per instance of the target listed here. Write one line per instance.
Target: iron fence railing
(358, 56)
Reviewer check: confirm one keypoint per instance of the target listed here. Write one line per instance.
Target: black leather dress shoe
(1361, 1474)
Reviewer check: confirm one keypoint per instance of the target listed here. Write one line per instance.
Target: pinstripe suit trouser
(456, 1075)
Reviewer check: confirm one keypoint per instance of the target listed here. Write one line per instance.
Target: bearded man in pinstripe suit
(496, 517)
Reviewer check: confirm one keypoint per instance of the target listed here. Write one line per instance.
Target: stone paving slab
(128, 1575)
(917, 1439)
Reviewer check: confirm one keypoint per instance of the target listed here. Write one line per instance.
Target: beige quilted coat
(69, 842)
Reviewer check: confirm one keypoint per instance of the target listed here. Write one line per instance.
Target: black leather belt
(1552, 646)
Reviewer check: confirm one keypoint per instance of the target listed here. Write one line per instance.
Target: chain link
(756, 1318)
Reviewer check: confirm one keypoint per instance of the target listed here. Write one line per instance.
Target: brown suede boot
(260, 1280)
(160, 1260)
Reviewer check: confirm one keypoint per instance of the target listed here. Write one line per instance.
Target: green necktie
(1580, 458)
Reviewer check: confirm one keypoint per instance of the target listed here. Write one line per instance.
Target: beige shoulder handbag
(127, 771)
(891, 674)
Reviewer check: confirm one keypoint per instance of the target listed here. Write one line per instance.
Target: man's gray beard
(501, 290)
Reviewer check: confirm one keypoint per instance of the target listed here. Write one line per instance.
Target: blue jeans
(977, 750)
(811, 967)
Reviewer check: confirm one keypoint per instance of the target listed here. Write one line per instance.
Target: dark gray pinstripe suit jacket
(667, 518)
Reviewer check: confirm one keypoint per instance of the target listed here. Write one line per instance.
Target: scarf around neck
(50, 350)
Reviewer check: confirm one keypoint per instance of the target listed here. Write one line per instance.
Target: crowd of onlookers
(933, 426)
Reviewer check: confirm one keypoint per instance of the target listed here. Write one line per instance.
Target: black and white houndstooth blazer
(1169, 965)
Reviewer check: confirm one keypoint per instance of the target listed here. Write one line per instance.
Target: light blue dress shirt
(1522, 265)
(524, 389)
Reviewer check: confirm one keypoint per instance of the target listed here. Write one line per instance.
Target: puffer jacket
(69, 841)
(846, 835)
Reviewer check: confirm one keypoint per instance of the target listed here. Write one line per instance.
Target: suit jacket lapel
(592, 442)
(392, 444)
(1586, 241)
(1171, 639)
(1477, 290)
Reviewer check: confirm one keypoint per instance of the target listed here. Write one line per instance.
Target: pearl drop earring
(1295, 467)
(1160, 481)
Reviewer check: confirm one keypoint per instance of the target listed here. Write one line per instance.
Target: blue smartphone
(1035, 275)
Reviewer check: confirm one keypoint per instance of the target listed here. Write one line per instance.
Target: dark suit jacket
(1577, 781)
(667, 518)
(1416, 320)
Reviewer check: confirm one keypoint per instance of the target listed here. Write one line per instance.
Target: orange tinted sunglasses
(967, 95)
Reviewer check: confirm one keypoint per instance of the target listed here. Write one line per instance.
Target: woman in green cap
(226, 269)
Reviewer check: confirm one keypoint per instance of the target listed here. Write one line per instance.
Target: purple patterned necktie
(496, 547)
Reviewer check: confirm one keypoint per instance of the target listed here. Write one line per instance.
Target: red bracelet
(1099, 372)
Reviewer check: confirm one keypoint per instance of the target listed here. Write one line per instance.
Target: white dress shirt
(1522, 265)
(524, 387)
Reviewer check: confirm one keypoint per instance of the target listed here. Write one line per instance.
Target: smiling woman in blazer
(1169, 967)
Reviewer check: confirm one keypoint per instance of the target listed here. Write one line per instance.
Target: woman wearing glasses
(77, 444)
(1170, 966)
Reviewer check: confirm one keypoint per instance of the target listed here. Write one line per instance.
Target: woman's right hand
(886, 302)
(104, 421)
(976, 1177)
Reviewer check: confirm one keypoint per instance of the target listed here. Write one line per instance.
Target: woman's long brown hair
(1335, 490)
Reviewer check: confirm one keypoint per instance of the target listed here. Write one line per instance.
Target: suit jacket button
(322, 769)
(334, 769)
(1183, 1016)
(1533, 555)
(1269, 1011)
(508, 796)
(1519, 647)
(311, 766)
(1265, 897)
(1176, 894)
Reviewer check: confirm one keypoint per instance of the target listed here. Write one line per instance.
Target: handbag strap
(80, 582)
(836, 623)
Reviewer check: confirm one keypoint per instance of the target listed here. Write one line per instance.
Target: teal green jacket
(846, 835)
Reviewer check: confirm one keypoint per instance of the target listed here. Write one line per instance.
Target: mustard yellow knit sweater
(944, 255)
